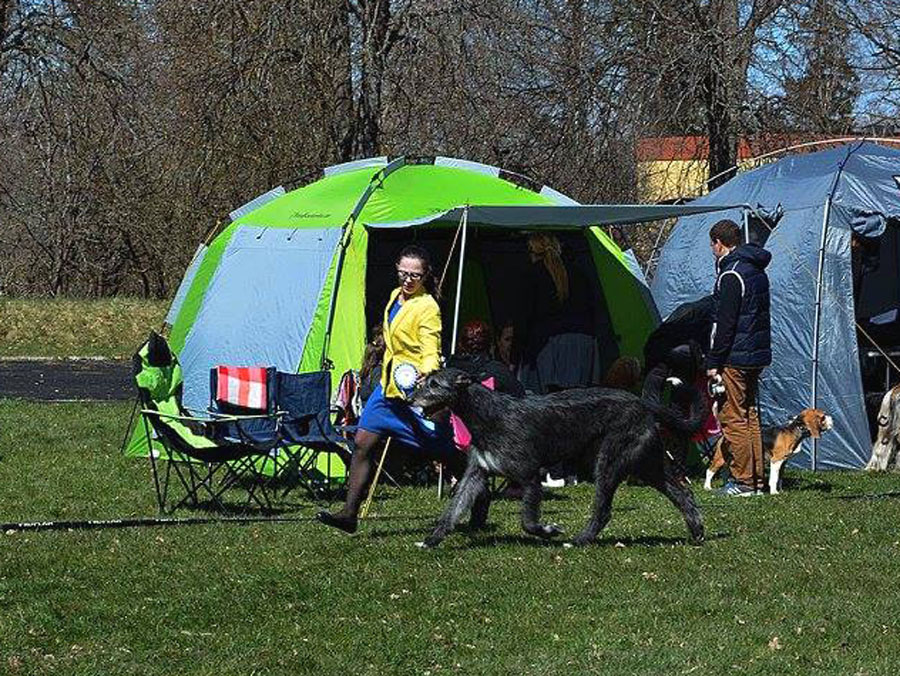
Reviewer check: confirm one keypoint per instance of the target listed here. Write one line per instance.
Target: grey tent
(819, 202)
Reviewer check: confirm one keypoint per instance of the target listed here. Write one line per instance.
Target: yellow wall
(660, 180)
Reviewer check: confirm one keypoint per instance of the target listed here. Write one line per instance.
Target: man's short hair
(727, 232)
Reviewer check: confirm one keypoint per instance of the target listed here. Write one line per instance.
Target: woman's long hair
(549, 251)
(421, 254)
(373, 353)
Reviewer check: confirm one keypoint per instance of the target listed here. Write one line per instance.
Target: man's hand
(712, 373)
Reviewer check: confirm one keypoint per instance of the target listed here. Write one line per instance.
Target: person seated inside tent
(473, 355)
(412, 344)
(624, 374)
(505, 347)
(355, 387)
(370, 369)
(559, 332)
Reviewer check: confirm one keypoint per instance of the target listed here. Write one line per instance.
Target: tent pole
(346, 233)
(459, 277)
(818, 317)
(819, 283)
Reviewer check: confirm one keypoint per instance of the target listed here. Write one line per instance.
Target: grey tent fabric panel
(467, 165)
(556, 196)
(185, 285)
(634, 267)
(869, 186)
(563, 216)
(687, 269)
(256, 202)
(840, 393)
(259, 305)
(344, 167)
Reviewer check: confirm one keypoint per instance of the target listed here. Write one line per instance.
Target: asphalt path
(67, 379)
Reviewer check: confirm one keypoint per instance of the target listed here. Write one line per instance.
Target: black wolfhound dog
(613, 430)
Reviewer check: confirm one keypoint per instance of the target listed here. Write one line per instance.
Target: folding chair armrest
(194, 424)
(215, 416)
(174, 416)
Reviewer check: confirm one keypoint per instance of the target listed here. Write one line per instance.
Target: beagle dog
(780, 442)
(887, 443)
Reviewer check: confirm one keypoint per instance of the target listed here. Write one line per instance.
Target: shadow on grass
(804, 483)
(868, 496)
(481, 539)
(657, 540)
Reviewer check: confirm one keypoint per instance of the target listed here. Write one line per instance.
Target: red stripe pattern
(243, 386)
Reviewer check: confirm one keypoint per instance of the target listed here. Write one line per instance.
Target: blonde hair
(549, 251)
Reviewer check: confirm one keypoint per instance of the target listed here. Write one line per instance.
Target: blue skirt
(394, 418)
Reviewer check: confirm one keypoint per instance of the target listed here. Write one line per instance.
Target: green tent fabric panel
(194, 298)
(348, 335)
(631, 318)
(417, 190)
(325, 203)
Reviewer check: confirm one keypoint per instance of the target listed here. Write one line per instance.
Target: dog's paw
(544, 531)
(581, 540)
(429, 543)
(551, 530)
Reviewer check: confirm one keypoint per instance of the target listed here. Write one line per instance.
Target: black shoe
(344, 523)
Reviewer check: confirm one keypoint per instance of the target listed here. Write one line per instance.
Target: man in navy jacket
(740, 349)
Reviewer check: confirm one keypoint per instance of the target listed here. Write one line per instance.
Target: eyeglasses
(412, 276)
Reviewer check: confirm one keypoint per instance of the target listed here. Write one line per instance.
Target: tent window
(758, 230)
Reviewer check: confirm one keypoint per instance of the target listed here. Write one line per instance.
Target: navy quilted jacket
(741, 334)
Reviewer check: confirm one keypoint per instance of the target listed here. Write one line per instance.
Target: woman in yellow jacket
(412, 336)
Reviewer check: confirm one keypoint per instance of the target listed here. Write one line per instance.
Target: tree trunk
(375, 19)
(724, 86)
(343, 122)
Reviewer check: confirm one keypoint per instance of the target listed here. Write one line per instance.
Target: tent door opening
(501, 285)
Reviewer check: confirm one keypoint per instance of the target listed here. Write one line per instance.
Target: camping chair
(306, 430)
(207, 455)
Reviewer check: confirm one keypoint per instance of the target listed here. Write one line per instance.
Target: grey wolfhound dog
(615, 431)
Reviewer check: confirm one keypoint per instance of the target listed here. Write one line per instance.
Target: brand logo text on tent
(309, 214)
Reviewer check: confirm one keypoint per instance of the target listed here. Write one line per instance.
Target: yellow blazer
(414, 337)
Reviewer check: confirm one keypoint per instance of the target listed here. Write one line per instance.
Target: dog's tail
(673, 419)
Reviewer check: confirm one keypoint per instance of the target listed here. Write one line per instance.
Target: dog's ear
(463, 379)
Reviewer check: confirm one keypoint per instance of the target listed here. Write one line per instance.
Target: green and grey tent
(294, 278)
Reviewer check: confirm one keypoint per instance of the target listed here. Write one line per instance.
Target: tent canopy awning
(563, 216)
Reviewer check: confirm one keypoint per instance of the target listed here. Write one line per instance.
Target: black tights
(361, 470)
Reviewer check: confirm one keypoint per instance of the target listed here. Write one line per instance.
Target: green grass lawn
(64, 327)
(805, 582)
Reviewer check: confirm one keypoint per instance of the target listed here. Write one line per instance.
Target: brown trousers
(739, 418)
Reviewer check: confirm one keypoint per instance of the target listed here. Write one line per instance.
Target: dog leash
(99, 524)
